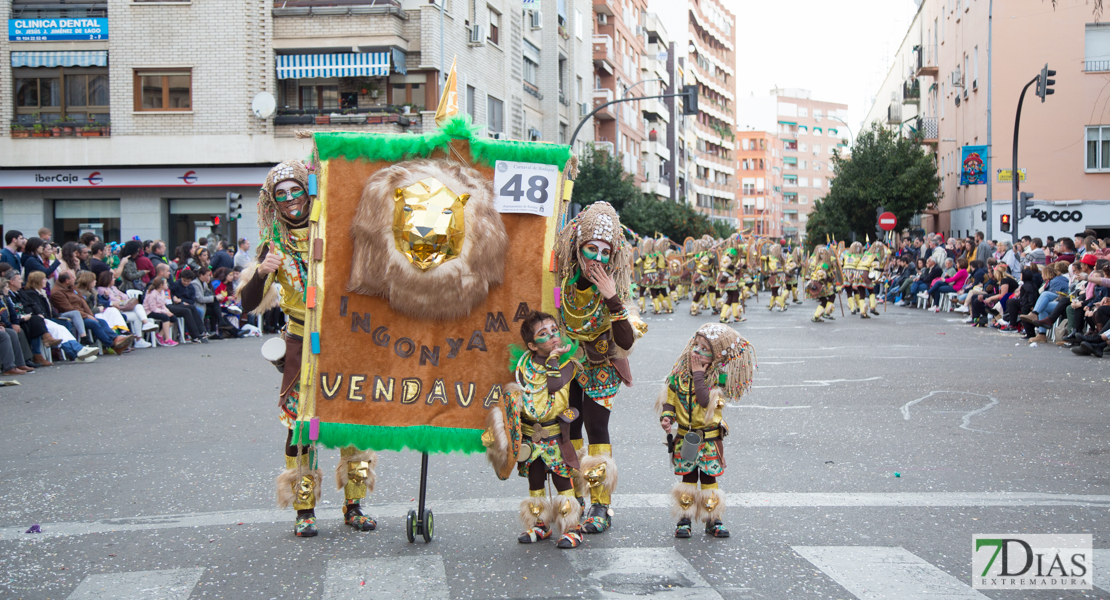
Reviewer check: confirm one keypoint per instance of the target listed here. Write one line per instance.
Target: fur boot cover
(711, 505)
(289, 478)
(591, 472)
(342, 475)
(529, 518)
(566, 514)
(685, 497)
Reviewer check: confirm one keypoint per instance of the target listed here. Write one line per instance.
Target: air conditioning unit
(536, 19)
(957, 78)
(974, 84)
(640, 30)
(583, 109)
(602, 19)
(477, 35)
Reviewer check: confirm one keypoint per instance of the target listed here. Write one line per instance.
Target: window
(803, 182)
(816, 148)
(803, 200)
(1098, 148)
(562, 133)
(494, 26)
(1097, 47)
(577, 23)
(530, 69)
(817, 182)
(80, 94)
(164, 90)
(495, 114)
(326, 97)
(802, 111)
(407, 93)
(472, 103)
(975, 60)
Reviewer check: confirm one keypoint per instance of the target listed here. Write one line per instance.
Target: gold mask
(710, 502)
(305, 490)
(428, 225)
(596, 475)
(685, 500)
(564, 510)
(535, 509)
(357, 472)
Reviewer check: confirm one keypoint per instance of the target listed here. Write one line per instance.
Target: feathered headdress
(269, 215)
(734, 360)
(598, 222)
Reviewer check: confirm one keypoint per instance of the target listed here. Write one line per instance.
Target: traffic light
(1023, 204)
(689, 99)
(1044, 83)
(216, 220)
(234, 207)
(1005, 227)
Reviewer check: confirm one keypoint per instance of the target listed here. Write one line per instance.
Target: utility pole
(1017, 173)
(990, 147)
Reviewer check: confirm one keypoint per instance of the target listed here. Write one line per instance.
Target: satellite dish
(263, 105)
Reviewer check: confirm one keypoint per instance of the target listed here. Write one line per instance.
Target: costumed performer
(774, 269)
(728, 283)
(856, 283)
(822, 284)
(872, 264)
(284, 207)
(716, 366)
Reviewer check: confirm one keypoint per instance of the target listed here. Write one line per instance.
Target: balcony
(603, 53)
(606, 147)
(656, 186)
(927, 65)
(655, 110)
(894, 113)
(375, 120)
(300, 8)
(55, 9)
(1096, 66)
(658, 148)
(601, 97)
(533, 90)
(911, 92)
(604, 7)
(927, 128)
(59, 129)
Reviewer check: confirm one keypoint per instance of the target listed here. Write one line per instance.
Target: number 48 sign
(525, 187)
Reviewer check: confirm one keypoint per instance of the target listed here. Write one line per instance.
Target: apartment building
(619, 46)
(135, 118)
(810, 132)
(937, 88)
(760, 161)
(658, 114)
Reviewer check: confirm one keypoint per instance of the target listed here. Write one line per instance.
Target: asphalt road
(151, 476)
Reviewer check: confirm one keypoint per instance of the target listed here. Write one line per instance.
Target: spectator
(206, 300)
(158, 254)
(13, 249)
(1065, 250)
(154, 302)
(983, 250)
(88, 239)
(199, 261)
(8, 358)
(71, 259)
(1008, 257)
(222, 259)
(936, 251)
(926, 277)
(162, 270)
(21, 352)
(36, 255)
(901, 277)
(242, 256)
(128, 269)
(1003, 287)
(35, 299)
(1056, 289)
(183, 296)
(1035, 254)
(68, 301)
(948, 285)
(1024, 301)
(182, 255)
(24, 317)
(101, 307)
(46, 235)
(142, 262)
(129, 307)
(98, 252)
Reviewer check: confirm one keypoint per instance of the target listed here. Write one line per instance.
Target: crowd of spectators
(1034, 288)
(86, 298)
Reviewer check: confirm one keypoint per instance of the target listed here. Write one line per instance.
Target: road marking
(401, 578)
(766, 407)
(169, 584)
(966, 421)
(878, 573)
(328, 516)
(1102, 569)
(642, 573)
(815, 383)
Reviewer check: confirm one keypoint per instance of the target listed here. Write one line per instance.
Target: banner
(973, 165)
(58, 29)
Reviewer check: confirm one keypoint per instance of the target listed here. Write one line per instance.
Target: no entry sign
(887, 221)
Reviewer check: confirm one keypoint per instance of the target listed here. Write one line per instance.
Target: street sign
(1007, 175)
(887, 221)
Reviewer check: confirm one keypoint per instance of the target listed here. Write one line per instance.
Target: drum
(274, 351)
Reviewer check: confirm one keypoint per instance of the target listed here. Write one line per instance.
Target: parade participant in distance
(284, 207)
(716, 366)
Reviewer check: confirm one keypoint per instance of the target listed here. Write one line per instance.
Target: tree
(885, 170)
(601, 177)
(1096, 8)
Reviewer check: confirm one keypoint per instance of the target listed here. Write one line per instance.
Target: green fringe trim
(390, 147)
(421, 438)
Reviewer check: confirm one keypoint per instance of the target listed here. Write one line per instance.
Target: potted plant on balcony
(56, 129)
(19, 131)
(323, 119)
(106, 129)
(39, 131)
(90, 130)
(68, 127)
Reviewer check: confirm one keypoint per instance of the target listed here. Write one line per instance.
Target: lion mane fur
(690, 512)
(527, 519)
(708, 516)
(379, 269)
(560, 523)
(371, 478)
(289, 478)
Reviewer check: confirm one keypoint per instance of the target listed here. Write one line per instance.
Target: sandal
(535, 534)
(353, 516)
(305, 526)
(570, 539)
(716, 529)
(683, 529)
(597, 519)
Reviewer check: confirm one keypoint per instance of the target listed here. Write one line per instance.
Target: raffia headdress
(598, 222)
(734, 360)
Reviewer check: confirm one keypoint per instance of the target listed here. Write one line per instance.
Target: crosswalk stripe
(399, 578)
(620, 502)
(1102, 569)
(168, 584)
(881, 573)
(642, 573)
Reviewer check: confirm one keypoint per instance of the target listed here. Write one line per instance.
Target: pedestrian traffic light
(1005, 227)
(689, 99)
(216, 220)
(234, 207)
(1023, 204)
(1044, 84)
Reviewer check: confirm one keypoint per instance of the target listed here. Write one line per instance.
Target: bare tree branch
(1096, 8)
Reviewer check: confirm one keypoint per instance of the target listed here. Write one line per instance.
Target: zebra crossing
(866, 572)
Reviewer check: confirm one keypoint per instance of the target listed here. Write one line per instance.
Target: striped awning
(790, 160)
(67, 58)
(790, 177)
(307, 66)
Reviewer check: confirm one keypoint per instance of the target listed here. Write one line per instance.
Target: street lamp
(846, 125)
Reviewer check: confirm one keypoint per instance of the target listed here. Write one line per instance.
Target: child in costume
(716, 365)
(536, 426)
(822, 270)
(728, 283)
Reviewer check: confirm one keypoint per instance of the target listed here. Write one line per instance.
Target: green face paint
(591, 252)
(282, 196)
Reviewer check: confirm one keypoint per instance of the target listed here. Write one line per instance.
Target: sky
(841, 50)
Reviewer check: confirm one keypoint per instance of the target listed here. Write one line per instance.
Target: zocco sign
(1056, 216)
